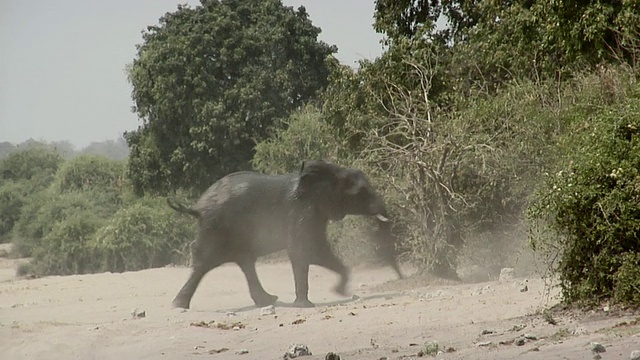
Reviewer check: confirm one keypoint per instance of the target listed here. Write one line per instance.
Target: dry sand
(89, 317)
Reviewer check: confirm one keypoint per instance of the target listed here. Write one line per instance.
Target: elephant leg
(323, 256)
(205, 259)
(258, 294)
(183, 299)
(301, 277)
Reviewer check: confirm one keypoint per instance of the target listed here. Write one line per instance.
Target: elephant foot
(303, 303)
(180, 303)
(341, 289)
(264, 300)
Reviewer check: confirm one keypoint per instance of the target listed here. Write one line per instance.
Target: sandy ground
(89, 317)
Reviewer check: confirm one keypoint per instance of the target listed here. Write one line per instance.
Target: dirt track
(89, 317)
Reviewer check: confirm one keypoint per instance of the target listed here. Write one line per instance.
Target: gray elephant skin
(245, 215)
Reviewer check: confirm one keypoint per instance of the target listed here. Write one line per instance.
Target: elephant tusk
(382, 218)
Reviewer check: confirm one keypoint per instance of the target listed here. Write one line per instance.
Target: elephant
(246, 214)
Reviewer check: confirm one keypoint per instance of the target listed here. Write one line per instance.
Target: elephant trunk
(377, 209)
(383, 236)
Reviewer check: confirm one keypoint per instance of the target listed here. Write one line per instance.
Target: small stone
(332, 356)
(230, 313)
(597, 348)
(597, 357)
(354, 297)
(507, 274)
(530, 337)
(487, 332)
(484, 343)
(520, 342)
(218, 351)
(242, 352)
(268, 310)
(138, 314)
(635, 355)
(296, 350)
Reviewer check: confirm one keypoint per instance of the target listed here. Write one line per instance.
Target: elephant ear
(319, 184)
(316, 176)
(352, 182)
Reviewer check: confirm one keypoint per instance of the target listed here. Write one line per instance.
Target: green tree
(500, 39)
(211, 81)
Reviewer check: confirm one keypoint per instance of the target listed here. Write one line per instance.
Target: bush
(143, 235)
(90, 172)
(307, 137)
(627, 279)
(65, 249)
(44, 210)
(35, 162)
(587, 214)
(22, 174)
(12, 198)
(460, 174)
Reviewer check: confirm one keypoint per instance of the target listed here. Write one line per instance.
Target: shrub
(587, 214)
(307, 137)
(459, 174)
(12, 198)
(145, 234)
(64, 250)
(22, 174)
(627, 279)
(44, 210)
(90, 172)
(34, 162)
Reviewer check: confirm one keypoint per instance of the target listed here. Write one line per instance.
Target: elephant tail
(181, 208)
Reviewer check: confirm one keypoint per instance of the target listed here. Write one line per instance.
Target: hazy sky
(62, 62)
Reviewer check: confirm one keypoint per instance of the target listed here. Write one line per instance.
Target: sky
(62, 62)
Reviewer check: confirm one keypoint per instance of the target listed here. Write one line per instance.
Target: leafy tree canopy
(502, 39)
(33, 162)
(211, 81)
(5, 148)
